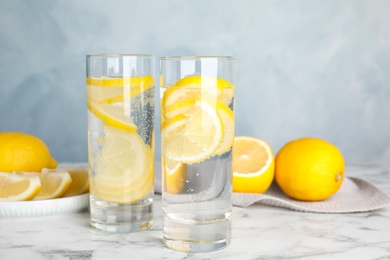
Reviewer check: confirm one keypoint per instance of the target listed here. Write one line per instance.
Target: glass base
(196, 237)
(121, 218)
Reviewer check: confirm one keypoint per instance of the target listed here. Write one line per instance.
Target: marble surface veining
(259, 232)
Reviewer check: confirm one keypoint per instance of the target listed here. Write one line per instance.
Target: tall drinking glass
(197, 131)
(120, 100)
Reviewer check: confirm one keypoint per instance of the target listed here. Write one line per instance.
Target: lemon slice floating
(253, 165)
(124, 171)
(227, 118)
(14, 187)
(194, 138)
(192, 87)
(114, 115)
(111, 90)
(175, 175)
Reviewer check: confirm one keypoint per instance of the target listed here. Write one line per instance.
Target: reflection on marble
(259, 232)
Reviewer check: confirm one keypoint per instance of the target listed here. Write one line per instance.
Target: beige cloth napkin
(354, 195)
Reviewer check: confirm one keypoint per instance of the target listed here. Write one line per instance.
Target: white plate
(40, 208)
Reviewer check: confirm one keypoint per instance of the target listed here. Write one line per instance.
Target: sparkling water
(196, 201)
(114, 216)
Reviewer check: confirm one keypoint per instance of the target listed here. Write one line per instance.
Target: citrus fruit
(124, 168)
(194, 138)
(227, 117)
(80, 180)
(114, 115)
(110, 90)
(192, 87)
(175, 175)
(253, 165)
(309, 169)
(189, 107)
(24, 152)
(54, 185)
(14, 187)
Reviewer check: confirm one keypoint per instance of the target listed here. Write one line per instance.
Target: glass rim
(118, 55)
(195, 57)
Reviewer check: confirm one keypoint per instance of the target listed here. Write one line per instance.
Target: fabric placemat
(354, 195)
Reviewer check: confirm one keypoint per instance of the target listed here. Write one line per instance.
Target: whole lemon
(24, 152)
(309, 169)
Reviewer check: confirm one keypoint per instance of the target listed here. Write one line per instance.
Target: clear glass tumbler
(120, 100)
(197, 132)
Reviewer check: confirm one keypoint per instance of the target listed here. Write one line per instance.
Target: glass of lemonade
(120, 100)
(197, 132)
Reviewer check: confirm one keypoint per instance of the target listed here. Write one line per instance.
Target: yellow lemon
(175, 175)
(192, 138)
(309, 169)
(14, 187)
(54, 185)
(80, 180)
(24, 152)
(124, 168)
(114, 115)
(110, 90)
(253, 165)
(192, 87)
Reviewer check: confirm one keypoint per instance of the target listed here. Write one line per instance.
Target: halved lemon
(253, 165)
(80, 180)
(14, 187)
(110, 90)
(54, 185)
(192, 87)
(194, 138)
(175, 175)
(114, 115)
(124, 167)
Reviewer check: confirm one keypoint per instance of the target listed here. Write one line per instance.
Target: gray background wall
(305, 68)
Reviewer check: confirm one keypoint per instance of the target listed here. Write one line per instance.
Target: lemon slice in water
(193, 138)
(111, 90)
(114, 115)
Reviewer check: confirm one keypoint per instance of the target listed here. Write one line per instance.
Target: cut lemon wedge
(192, 87)
(124, 171)
(175, 176)
(80, 180)
(14, 187)
(110, 90)
(194, 138)
(114, 115)
(253, 165)
(54, 185)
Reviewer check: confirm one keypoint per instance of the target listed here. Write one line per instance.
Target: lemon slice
(125, 194)
(110, 90)
(227, 118)
(14, 187)
(54, 185)
(114, 115)
(198, 87)
(80, 180)
(175, 175)
(253, 165)
(194, 138)
(123, 171)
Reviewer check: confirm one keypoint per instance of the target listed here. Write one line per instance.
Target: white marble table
(259, 232)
